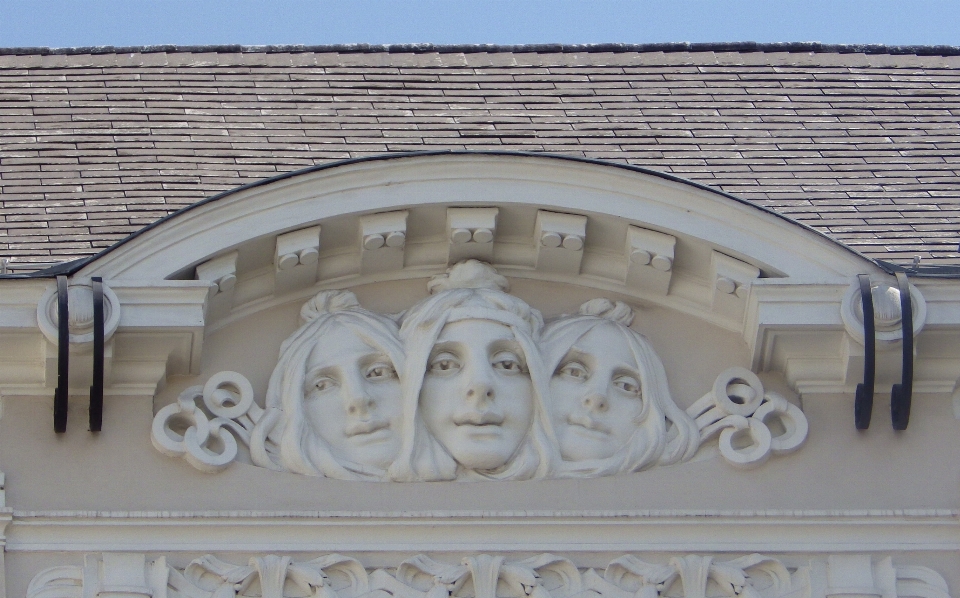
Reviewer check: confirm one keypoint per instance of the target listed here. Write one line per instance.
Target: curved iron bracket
(863, 407)
(60, 397)
(902, 394)
(96, 391)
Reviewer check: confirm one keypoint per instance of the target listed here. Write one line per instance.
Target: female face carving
(477, 397)
(596, 395)
(352, 399)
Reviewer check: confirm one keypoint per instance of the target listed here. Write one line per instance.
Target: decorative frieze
(489, 576)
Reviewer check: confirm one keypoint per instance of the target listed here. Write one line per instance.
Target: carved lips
(587, 423)
(368, 428)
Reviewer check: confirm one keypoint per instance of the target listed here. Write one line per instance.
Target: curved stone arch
(718, 245)
(647, 198)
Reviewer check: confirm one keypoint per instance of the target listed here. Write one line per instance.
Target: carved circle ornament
(470, 383)
(80, 304)
(886, 306)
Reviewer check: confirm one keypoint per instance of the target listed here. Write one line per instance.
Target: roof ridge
(741, 47)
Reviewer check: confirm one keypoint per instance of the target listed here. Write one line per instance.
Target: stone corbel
(471, 232)
(382, 241)
(220, 274)
(295, 259)
(560, 239)
(649, 260)
(731, 281)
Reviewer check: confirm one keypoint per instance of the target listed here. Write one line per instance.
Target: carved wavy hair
(665, 433)
(470, 290)
(283, 439)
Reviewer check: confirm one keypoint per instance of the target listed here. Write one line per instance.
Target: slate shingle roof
(863, 146)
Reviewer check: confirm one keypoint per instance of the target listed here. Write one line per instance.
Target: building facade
(642, 322)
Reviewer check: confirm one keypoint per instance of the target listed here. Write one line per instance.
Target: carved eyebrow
(445, 347)
(627, 371)
(315, 371)
(575, 353)
(591, 360)
(375, 357)
(507, 345)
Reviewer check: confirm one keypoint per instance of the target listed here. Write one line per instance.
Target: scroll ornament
(470, 383)
(487, 576)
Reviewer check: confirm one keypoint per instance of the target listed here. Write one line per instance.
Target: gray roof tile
(860, 143)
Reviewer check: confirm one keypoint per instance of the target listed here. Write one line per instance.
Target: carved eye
(508, 363)
(381, 371)
(627, 384)
(445, 363)
(325, 383)
(574, 370)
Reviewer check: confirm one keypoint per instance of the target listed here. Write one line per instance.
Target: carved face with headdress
(610, 405)
(336, 392)
(474, 382)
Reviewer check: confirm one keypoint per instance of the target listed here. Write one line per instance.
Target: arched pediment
(608, 194)
(700, 281)
(648, 236)
(550, 224)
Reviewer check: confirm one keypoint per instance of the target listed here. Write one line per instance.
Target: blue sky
(62, 23)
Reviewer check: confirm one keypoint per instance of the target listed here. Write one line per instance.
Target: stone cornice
(581, 531)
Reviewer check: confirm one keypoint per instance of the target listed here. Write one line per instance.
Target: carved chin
(580, 444)
(376, 449)
(481, 447)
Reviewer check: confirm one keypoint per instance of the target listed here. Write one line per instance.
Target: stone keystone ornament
(470, 383)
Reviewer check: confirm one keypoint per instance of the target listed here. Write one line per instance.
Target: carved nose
(595, 402)
(480, 391)
(360, 406)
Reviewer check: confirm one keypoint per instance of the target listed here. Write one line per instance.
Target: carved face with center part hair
(477, 397)
(352, 398)
(596, 395)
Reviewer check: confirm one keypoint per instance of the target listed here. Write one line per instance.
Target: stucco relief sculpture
(470, 384)
(489, 576)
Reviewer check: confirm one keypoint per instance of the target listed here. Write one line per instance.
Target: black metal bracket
(902, 394)
(863, 407)
(96, 391)
(60, 396)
